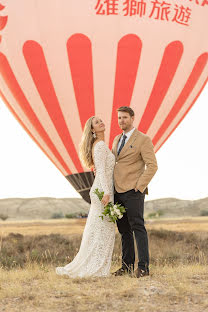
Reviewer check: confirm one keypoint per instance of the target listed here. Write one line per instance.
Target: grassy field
(75, 226)
(30, 251)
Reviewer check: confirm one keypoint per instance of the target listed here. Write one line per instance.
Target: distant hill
(41, 207)
(45, 207)
(173, 207)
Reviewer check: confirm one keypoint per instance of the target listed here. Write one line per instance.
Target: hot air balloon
(64, 61)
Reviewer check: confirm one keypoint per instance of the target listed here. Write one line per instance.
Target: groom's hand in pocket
(94, 170)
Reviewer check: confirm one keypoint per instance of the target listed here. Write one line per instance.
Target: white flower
(120, 216)
(114, 206)
(112, 213)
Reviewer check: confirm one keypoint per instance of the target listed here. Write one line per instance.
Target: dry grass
(76, 226)
(44, 227)
(192, 224)
(38, 288)
(178, 280)
(166, 248)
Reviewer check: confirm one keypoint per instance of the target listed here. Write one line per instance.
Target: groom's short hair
(126, 109)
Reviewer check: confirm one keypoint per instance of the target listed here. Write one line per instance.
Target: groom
(135, 166)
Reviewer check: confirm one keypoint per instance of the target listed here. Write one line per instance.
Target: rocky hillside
(45, 207)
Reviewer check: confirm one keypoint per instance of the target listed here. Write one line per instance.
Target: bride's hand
(105, 200)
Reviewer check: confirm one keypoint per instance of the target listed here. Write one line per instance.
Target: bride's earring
(94, 135)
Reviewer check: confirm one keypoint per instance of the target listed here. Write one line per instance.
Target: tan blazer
(130, 171)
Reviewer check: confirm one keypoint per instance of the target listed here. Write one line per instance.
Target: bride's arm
(100, 155)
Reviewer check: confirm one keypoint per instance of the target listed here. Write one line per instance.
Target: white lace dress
(95, 253)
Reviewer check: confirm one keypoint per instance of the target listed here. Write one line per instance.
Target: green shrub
(3, 216)
(76, 215)
(156, 214)
(57, 215)
(204, 213)
(71, 215)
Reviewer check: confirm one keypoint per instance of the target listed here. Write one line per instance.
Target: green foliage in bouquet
(113, 211)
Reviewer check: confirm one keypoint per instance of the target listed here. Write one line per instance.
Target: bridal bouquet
(113, 211)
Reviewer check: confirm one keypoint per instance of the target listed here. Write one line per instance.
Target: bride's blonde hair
(85, 147)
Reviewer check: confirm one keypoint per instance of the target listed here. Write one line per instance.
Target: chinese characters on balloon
(159, 10)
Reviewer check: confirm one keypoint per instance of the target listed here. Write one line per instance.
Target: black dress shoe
(124, 270)
(141, 273)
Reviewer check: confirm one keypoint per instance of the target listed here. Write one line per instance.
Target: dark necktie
(122, 143)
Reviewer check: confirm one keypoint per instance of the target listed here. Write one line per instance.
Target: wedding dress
(95, 253)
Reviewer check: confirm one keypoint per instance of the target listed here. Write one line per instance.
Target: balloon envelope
(64, 61)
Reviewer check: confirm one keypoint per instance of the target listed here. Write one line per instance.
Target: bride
(95, 253)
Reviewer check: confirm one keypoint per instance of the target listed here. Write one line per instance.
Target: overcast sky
(25, 171)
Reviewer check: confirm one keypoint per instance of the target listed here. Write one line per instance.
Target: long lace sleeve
(100, 155)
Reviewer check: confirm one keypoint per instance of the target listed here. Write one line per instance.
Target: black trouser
(133, 221)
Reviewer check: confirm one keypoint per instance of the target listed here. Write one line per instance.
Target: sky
(26, 172)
